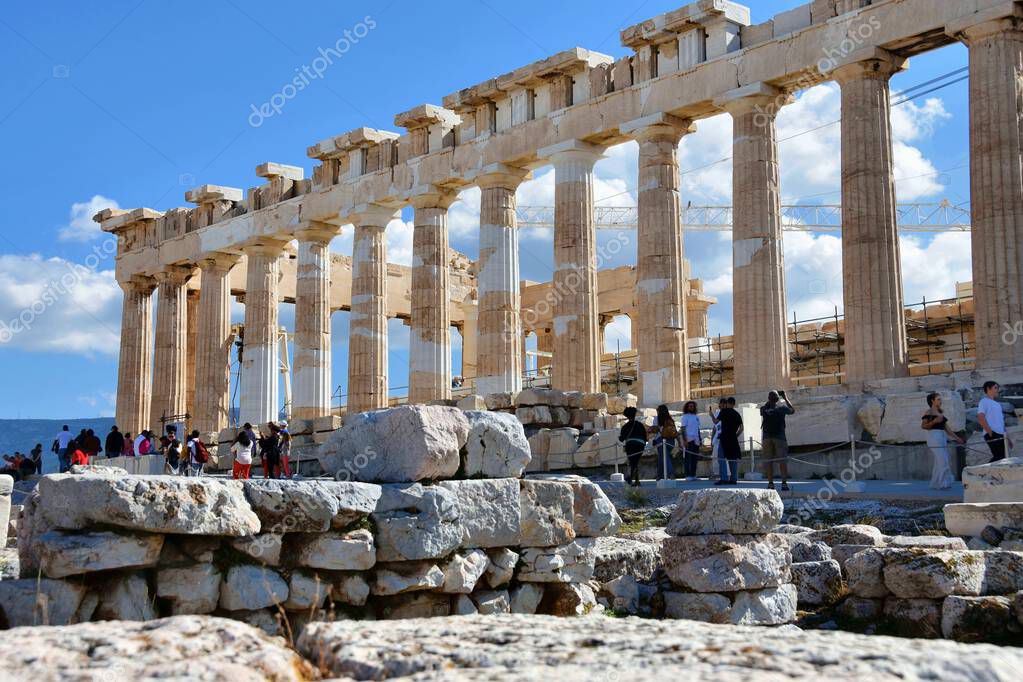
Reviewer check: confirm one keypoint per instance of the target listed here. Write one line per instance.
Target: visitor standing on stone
(114, 445)
(171, 447)
(774, 444)
(37, 458)
(691, 436)
(285, 436)
(633, 437)
(60, 446)
(242, 451)
(197, 456)
(730, 428)
(270, 450)
(935, 423)
(992, 420)
(665, 441)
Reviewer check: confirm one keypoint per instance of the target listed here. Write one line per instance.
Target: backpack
(144, 447)
(669, 430)
(202, 455)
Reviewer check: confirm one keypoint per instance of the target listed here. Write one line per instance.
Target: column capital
(1007, 17)
(870, 63)
(760, 96)
(572, 150)
(218, 262)
(143, 284)
(499, 175)
(432, 196)
(266, 247)
(174, 274)
(372, 215)
(315, 231)
(658, 126)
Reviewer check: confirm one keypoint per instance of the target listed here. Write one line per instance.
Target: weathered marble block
(716, 511)
(726, 563)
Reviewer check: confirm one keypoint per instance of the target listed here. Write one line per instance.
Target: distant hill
(22, 434)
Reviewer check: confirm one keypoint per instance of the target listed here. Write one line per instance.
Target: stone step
(996, 482)
(970, 518)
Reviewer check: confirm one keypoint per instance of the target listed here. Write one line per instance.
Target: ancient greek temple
(565, 111)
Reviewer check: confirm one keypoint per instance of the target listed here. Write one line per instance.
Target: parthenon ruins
(565, 111)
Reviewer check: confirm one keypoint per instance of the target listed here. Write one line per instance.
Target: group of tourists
(991, 417)
(666, 438)
(20, 466)
(274, 447)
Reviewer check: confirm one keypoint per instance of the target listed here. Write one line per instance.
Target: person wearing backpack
(198, 455)
(665, 442)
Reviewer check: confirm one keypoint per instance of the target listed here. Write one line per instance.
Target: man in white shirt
(992, 420)
(60, 442)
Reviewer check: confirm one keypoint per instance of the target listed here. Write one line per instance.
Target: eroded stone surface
(334, 551)
(63, 554)
(496, 446)
(616, 557)
(818, 583)
(571, 563)
(248, 588)
(547, 513)
(488, 511)
(309, 506)
(416, 522)
(714, 511)
(594, 515)
(190, 590)
(726, 563)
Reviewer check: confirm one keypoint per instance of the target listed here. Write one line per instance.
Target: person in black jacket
(633, 436)
(114, 445)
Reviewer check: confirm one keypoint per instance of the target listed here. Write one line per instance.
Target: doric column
(761, 340)
(875, 319)
(367, 338)
(259, 402)
(996, 184)
(312, 374)
(499, 352)
(430, 340)
(170, 363)
(213, 345)
(192, 314)
(135, 364)
(660, 332)
(576, 362)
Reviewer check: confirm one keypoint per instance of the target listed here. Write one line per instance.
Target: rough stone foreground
(543, 648)
(179, 648)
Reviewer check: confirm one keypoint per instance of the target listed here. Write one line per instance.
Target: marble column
(259, 402)
(169, 359)
(660, 333)
(213, 345)
(759, 310)
(499, 352)
(430, 339)
(312, 373)
(996, 186)
(577, 352)
(875, 319)
(367, 338)
(192, 301)
(135, 363)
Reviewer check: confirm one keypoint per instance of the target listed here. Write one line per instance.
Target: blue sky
(134, 103)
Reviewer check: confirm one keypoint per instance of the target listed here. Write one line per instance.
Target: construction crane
(941, 217)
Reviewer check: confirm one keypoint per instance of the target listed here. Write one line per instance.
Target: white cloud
(55, 305)
(81, 227)
(618, 334)
(399, 242)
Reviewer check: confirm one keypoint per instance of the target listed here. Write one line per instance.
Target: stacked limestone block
(725, 563)
(100, 544)
(970, 596)
(6, 490)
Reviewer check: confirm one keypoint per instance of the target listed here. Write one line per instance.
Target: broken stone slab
(901, 420)
(980, 619)
(920, 618)
(594, 515)
(501, 566)
(914, 573)
(334, 551)
(1000, 481)
(464, 570)
(471, 403)
(125, 598)
(716, 511)
(157, 504)
(414, 522)
(500, 401)
(407, 576)
(547, 513)
(264, 548)
(616, 404)
(309, 506)
(600, 449)
(849, 534)
(505, 648)
(818, 583)
(401, 444)
(191, 590)
(488, 511)
(617, 557)
(41, 601)
(526, 598)
(568, 599)
(969, 519)
(249, 588)
(413, 605)
(496, 446)
(931, 542)
(571, 563)
(307, 590)
(726, 563)
(64, 554)
(490, 602)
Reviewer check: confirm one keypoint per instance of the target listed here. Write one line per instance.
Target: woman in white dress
(938, 431)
